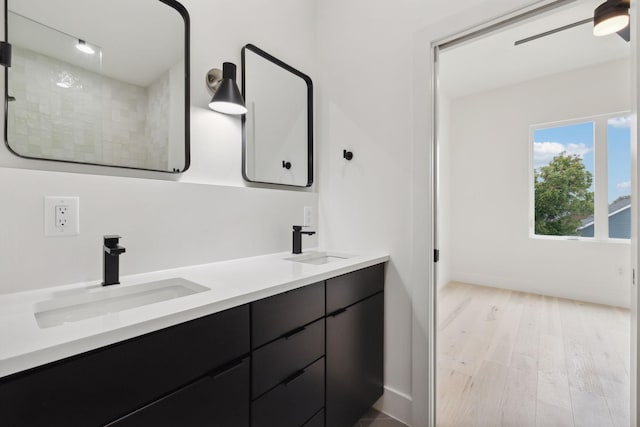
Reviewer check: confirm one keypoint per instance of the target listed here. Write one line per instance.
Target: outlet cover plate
(52, 216)
(307, 221)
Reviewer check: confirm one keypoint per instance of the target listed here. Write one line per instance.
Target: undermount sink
(113, 299)
(318, 258)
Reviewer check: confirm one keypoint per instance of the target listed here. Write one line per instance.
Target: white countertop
(24, 345)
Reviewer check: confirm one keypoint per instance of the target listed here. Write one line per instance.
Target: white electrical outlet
(61, 216)
(308, 216)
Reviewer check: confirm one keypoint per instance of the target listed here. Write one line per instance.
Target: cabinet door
(221, 399)
(354, 361)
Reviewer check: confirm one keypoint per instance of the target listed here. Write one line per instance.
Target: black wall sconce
(5, 54)
(347, 154)
(222, 85)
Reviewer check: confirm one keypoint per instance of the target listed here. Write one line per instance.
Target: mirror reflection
(84, 90)
(278, 127)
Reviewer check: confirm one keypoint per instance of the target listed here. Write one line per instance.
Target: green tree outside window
(562, 196)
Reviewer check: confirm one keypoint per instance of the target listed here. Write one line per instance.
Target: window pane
(619, 148)
(563, 180)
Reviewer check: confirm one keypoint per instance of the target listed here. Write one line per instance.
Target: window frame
(600, 177)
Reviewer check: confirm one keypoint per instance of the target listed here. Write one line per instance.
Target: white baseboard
(517, 284)
(395, 404)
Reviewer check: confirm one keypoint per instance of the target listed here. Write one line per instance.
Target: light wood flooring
(508, 358)
(374, 418)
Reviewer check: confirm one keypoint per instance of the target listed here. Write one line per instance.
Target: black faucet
(297, 238)
(111, 264)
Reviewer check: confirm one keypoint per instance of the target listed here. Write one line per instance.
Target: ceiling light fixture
(610, 17)
(226, 98)
(82, 46)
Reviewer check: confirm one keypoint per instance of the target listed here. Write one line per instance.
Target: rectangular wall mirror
(278, 127)
(89, 84)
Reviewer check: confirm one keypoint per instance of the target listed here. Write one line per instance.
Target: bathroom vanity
(302, 348)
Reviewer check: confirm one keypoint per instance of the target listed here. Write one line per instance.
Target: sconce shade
(610, 17)
(228, 99)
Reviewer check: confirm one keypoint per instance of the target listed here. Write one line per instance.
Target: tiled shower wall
(95, 119)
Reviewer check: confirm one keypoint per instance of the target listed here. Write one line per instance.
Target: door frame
(436, 46)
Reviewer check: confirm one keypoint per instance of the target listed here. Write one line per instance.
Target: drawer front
(275, 316)
(103, 385)
(280, 359)
(292, 403)
(221, 399)
(347, 289)
(316, 421)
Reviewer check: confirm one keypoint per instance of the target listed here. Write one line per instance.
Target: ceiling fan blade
(555, 30)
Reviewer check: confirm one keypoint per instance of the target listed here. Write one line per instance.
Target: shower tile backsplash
(66, 112)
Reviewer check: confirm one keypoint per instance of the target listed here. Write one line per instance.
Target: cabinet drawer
(275, 316)
(316, 421)
(102, 385)
(292, 402)
(347, 289)
(278, 360)
(221, 399)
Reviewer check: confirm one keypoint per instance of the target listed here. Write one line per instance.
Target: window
(619, 177)
(563, 164)
(581, 175)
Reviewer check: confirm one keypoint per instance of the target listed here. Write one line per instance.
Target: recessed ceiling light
(82, 46)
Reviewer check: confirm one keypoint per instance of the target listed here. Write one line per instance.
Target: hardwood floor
(512, 359)
(374, 418)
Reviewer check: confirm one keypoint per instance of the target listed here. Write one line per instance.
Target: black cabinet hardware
(294, 332)
(293, 377)
(227, 368)
(337, 312)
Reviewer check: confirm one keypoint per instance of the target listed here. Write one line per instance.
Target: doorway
(533, 319)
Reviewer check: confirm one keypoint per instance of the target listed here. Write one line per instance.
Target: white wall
(208, 216)
(367, 58)
(490, 197)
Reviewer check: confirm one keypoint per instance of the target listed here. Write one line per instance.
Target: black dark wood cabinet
(354, 354)
(309, 357)
(101, 386)
(288, 372)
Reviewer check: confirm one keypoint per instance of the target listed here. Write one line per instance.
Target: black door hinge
(436, 255)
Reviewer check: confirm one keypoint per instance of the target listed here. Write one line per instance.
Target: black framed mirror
(90, 85)
(277, 131)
